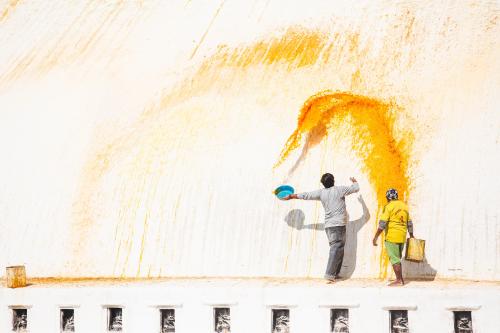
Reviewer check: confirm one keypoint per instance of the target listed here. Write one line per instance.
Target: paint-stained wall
(144, 138)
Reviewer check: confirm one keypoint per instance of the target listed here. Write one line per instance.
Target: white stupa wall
(128, 152)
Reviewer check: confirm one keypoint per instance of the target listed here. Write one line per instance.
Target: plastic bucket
(283, 191)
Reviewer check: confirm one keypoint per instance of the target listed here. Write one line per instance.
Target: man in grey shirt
(336, 217)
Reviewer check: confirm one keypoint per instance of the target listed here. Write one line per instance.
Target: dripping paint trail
(385, 159)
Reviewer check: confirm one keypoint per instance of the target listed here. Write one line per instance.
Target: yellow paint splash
(81, 39)
(297, 47)
(385, 159)
(294, 48)
(8, 9)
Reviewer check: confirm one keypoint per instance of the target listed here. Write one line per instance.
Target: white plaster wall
(429, 306)
(120, 160)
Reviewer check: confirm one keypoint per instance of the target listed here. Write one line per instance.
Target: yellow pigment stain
(80, 40)
(208, 29)
(296, 46)
(9, 8)
(385, 159)
(143, 241)
(292, 49)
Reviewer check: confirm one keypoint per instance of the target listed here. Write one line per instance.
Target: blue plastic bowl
(283, 191)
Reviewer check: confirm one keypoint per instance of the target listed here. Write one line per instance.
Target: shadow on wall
(351, 244)
(412, 270)
(295, 219)
(418, 270)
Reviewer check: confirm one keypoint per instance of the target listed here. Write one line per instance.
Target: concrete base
(430, 305)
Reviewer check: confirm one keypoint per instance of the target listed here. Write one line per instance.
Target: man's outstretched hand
(353, 180)
(374, 242)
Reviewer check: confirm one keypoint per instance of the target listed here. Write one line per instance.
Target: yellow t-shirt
(396, 215)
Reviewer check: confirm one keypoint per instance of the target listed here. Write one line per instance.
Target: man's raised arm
(353, 188)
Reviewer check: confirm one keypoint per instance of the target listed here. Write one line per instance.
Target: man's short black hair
(327, 180)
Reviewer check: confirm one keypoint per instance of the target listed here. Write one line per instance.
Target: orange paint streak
(84, 210)
(313, 241)
(143, 241)
(297, 47)
(207, 30)
(79, 40)
(385, 159)
(11, 6)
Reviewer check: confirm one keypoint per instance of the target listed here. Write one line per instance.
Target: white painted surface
(251, 302)
(119, 161)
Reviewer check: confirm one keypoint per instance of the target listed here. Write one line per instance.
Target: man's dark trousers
(336, 239)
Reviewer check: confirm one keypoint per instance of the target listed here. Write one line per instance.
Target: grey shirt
(333, 200)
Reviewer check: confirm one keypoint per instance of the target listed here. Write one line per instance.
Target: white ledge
(463, 308)
(280, 306)
(166, 306)
(67, 306)
(221, 304)
(112, 305)
(17, 307)
(400, 307)
(339, 306)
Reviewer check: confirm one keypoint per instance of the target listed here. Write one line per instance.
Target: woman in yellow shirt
(395, 220)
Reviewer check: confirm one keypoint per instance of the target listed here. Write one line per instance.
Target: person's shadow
(351, 244)
(412, 270)
(418, 271)
(295, 219)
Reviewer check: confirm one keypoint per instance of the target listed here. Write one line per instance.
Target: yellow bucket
(16, 276)
(415, 249)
